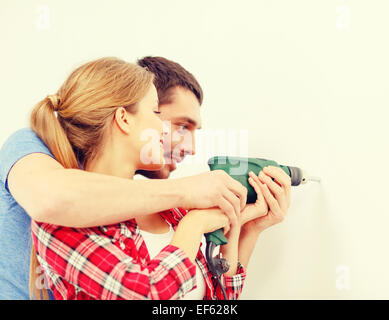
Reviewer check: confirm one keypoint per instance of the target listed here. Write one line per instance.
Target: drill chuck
(296, 175)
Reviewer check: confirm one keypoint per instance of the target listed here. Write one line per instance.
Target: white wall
(307, 79)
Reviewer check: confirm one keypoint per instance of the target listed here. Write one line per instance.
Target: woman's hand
(208, 220)
(273, 194)
(193, 225)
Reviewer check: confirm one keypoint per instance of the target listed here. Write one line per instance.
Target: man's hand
(276, 194)
(257, 209)
(214, 189)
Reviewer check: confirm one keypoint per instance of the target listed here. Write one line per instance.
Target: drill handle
(217, 237)
(217, 266)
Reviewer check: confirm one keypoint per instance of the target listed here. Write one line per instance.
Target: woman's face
(147, 133)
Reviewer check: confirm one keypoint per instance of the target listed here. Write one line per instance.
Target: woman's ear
(123, 120)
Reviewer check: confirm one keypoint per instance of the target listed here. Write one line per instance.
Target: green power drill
(239, 168)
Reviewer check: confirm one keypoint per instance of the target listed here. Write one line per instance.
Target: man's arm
(70, 197)
(273, 189)
(247, 242)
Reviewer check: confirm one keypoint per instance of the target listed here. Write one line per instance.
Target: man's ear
(123, 120)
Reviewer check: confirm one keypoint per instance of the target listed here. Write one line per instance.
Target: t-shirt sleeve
(21, 143)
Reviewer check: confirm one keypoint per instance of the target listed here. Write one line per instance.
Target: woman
(101, 120)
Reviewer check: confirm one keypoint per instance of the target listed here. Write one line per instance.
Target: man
(180, 97)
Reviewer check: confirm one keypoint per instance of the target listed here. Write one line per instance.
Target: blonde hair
(73, 122)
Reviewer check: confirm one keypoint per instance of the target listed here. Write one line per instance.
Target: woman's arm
(273, 188)
(92, 262)
(76, 198)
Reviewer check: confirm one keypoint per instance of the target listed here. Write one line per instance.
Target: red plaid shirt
(112, 262)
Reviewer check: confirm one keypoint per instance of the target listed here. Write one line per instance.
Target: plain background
(309, 82)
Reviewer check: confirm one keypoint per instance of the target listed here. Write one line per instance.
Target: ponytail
(44, 121)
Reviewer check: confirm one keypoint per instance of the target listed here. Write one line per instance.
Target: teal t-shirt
(15, 231)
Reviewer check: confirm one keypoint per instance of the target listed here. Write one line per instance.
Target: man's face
(182, 117)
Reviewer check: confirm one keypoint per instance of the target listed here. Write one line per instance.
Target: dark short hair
(169, 74)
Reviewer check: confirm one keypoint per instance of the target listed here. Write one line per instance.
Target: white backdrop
(308, 79)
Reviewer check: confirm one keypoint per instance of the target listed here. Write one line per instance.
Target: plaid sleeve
(233, 285)
(96, 266)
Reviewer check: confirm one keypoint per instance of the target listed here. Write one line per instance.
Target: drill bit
(307, 178)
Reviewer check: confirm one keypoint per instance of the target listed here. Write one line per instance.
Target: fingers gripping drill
(239, 168)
